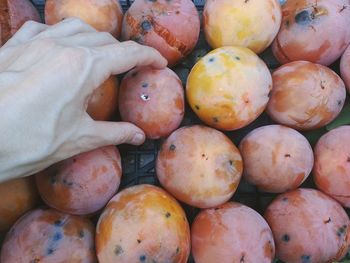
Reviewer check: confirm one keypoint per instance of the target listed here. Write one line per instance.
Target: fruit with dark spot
(146, 25)
(84, 186)
(302, 218)
(171, 27)
(234, 233)
(104, 100)
(158, 107)
(306, 259)
(140, 213)
(332, 168)
(17, 197)
(342, 231)
(13, 14)
(204, 170)
(234, 23)
(304, 17)
(228, 99)
(286, 238)
(104, 16)
(81, 234)
(315, 31)
(276, 158)
(118, 250)
(345, 67)
(35, 237)
(305, 95)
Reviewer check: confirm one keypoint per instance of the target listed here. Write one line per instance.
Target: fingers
(29, 30)
(66, 28)
(119, 58)
(91, 39)
(94, 134)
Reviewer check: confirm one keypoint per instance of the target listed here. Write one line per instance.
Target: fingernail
(138, 138)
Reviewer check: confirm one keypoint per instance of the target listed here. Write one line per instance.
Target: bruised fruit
(199, 166)
(143, 223)
(276, 158)
(46, 235)
(305, 95)
(308, 226)
(13, 14)
(17, 197)
(170, 26)
(153, 100)
(252, 24)
(332, 164)
(345, 68)
(82, 184)
(229, 87)
(103, 101)
(231, 233)
(316, 31)
(104, 16)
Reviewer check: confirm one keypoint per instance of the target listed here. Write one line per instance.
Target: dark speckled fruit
(45, 235)
(316, 31)
(170, 26)
(308, 226)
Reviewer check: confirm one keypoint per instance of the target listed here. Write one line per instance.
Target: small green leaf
(342, 119)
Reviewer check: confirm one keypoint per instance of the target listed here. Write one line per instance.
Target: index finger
(121, 57)
(29, 30)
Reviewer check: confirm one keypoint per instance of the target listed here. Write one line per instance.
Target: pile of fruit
(199, 165)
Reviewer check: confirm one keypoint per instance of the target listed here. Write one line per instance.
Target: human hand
(47, 74)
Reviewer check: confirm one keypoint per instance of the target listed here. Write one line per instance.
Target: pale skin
(47, 74)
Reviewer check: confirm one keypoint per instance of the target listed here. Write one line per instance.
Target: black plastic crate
(139, 162)
(125, 3)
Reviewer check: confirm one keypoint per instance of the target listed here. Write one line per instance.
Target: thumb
(94, 134)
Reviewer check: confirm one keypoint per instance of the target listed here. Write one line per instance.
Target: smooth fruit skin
(276, 158)
(46, 235)
(345, 68)
(143, 223)
(253, 24)
(305, 95)
(17, 197)
(315, 31)
(231, 233)
(332, 164)
(82, 184)
(170, 26)
(104, 100)
(199, 166)
(13, 14)
(153, 100)
(103, 15)
(308, 226)
(229, 88)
